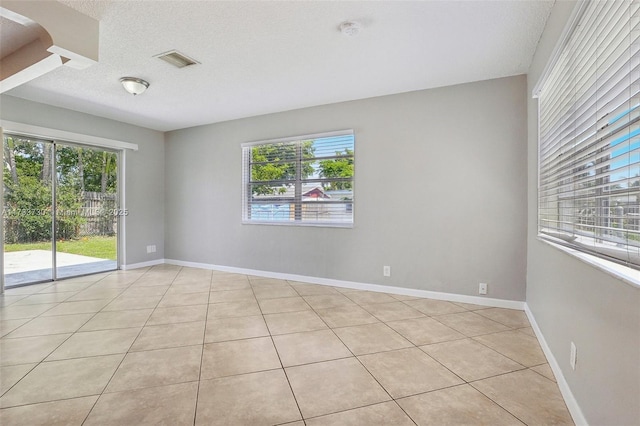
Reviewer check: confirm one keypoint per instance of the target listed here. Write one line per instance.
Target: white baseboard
(451, 297)
(569, 399)
(143, 264)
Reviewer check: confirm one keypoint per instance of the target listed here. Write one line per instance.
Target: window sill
(348, 225)
(628, 275)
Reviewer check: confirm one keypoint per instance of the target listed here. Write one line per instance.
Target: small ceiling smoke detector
(177, 59)
(133, 85)
(350, 28)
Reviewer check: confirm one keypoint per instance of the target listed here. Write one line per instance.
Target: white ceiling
(259, 57)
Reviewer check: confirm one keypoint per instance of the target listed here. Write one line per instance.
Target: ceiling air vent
(177, 59)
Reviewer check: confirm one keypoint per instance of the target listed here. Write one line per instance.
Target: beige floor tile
(459, 405)
(308, 347)
(435, 307)
(408, 372)
(117, 319)
(198, 286)
(67, 412)
(527, 395)
(471, 324)
(345, 316)
(219, 276)
(150, 281)
(343, 290)
(545, 370)
(25, 311)
(66, 286)
(262, 398)
(184, 299)
(370, 338)
(136, 292)
(517, 346)
(6, 300)
(92, 343)
(84, 307)
(168, 405)
(527, 330)
(321, 301)
(96, 293)
(239, 308)
(169, 336)
(471, 360)
(281, 305)
(422, 331)
(403, 297)
(268, 282)
(392, 311)
(510, 317)
(25, 350)
(471, 306)
(274, 292)
(235, 284)
(238, 357)
(129, 303)
(332, 386)
(8, 326)
(30, 289)
(231, 295)
(177, 314)
(36, 299)
(51, 325)
(156, 368)
(384, 414)
(55, 380)
(10, 375)
(304, 289)
(122, 280)
(294, 322)
(223, 329)
(369, 297)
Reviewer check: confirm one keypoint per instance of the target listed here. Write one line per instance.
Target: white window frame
(246, 186)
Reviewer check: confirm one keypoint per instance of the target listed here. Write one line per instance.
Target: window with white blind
(589, 135)
(304, 180)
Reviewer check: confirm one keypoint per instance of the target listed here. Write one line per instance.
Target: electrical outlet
(483, 288)
(151, 249)
(386, 271)
(573, 357)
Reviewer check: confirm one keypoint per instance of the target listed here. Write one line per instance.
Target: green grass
(101, 247)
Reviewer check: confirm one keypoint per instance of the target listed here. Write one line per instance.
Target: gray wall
(573, 301)
(144, 169)
(440, 192)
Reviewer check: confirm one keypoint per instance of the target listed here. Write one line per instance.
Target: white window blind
(589, 130)
(305, 180)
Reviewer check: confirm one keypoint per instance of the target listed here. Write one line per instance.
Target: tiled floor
(180, 346)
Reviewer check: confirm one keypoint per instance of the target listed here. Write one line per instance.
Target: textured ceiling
(259, 57)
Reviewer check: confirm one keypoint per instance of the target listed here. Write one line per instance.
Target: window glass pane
(305, 181)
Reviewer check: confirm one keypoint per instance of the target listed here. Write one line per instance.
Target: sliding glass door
(27, 210)
(60, 210)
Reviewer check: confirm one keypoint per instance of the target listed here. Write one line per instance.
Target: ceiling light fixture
(133, 85)
(350, 28)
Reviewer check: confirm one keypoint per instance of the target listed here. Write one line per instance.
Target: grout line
(275, 348)
(204, 334)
